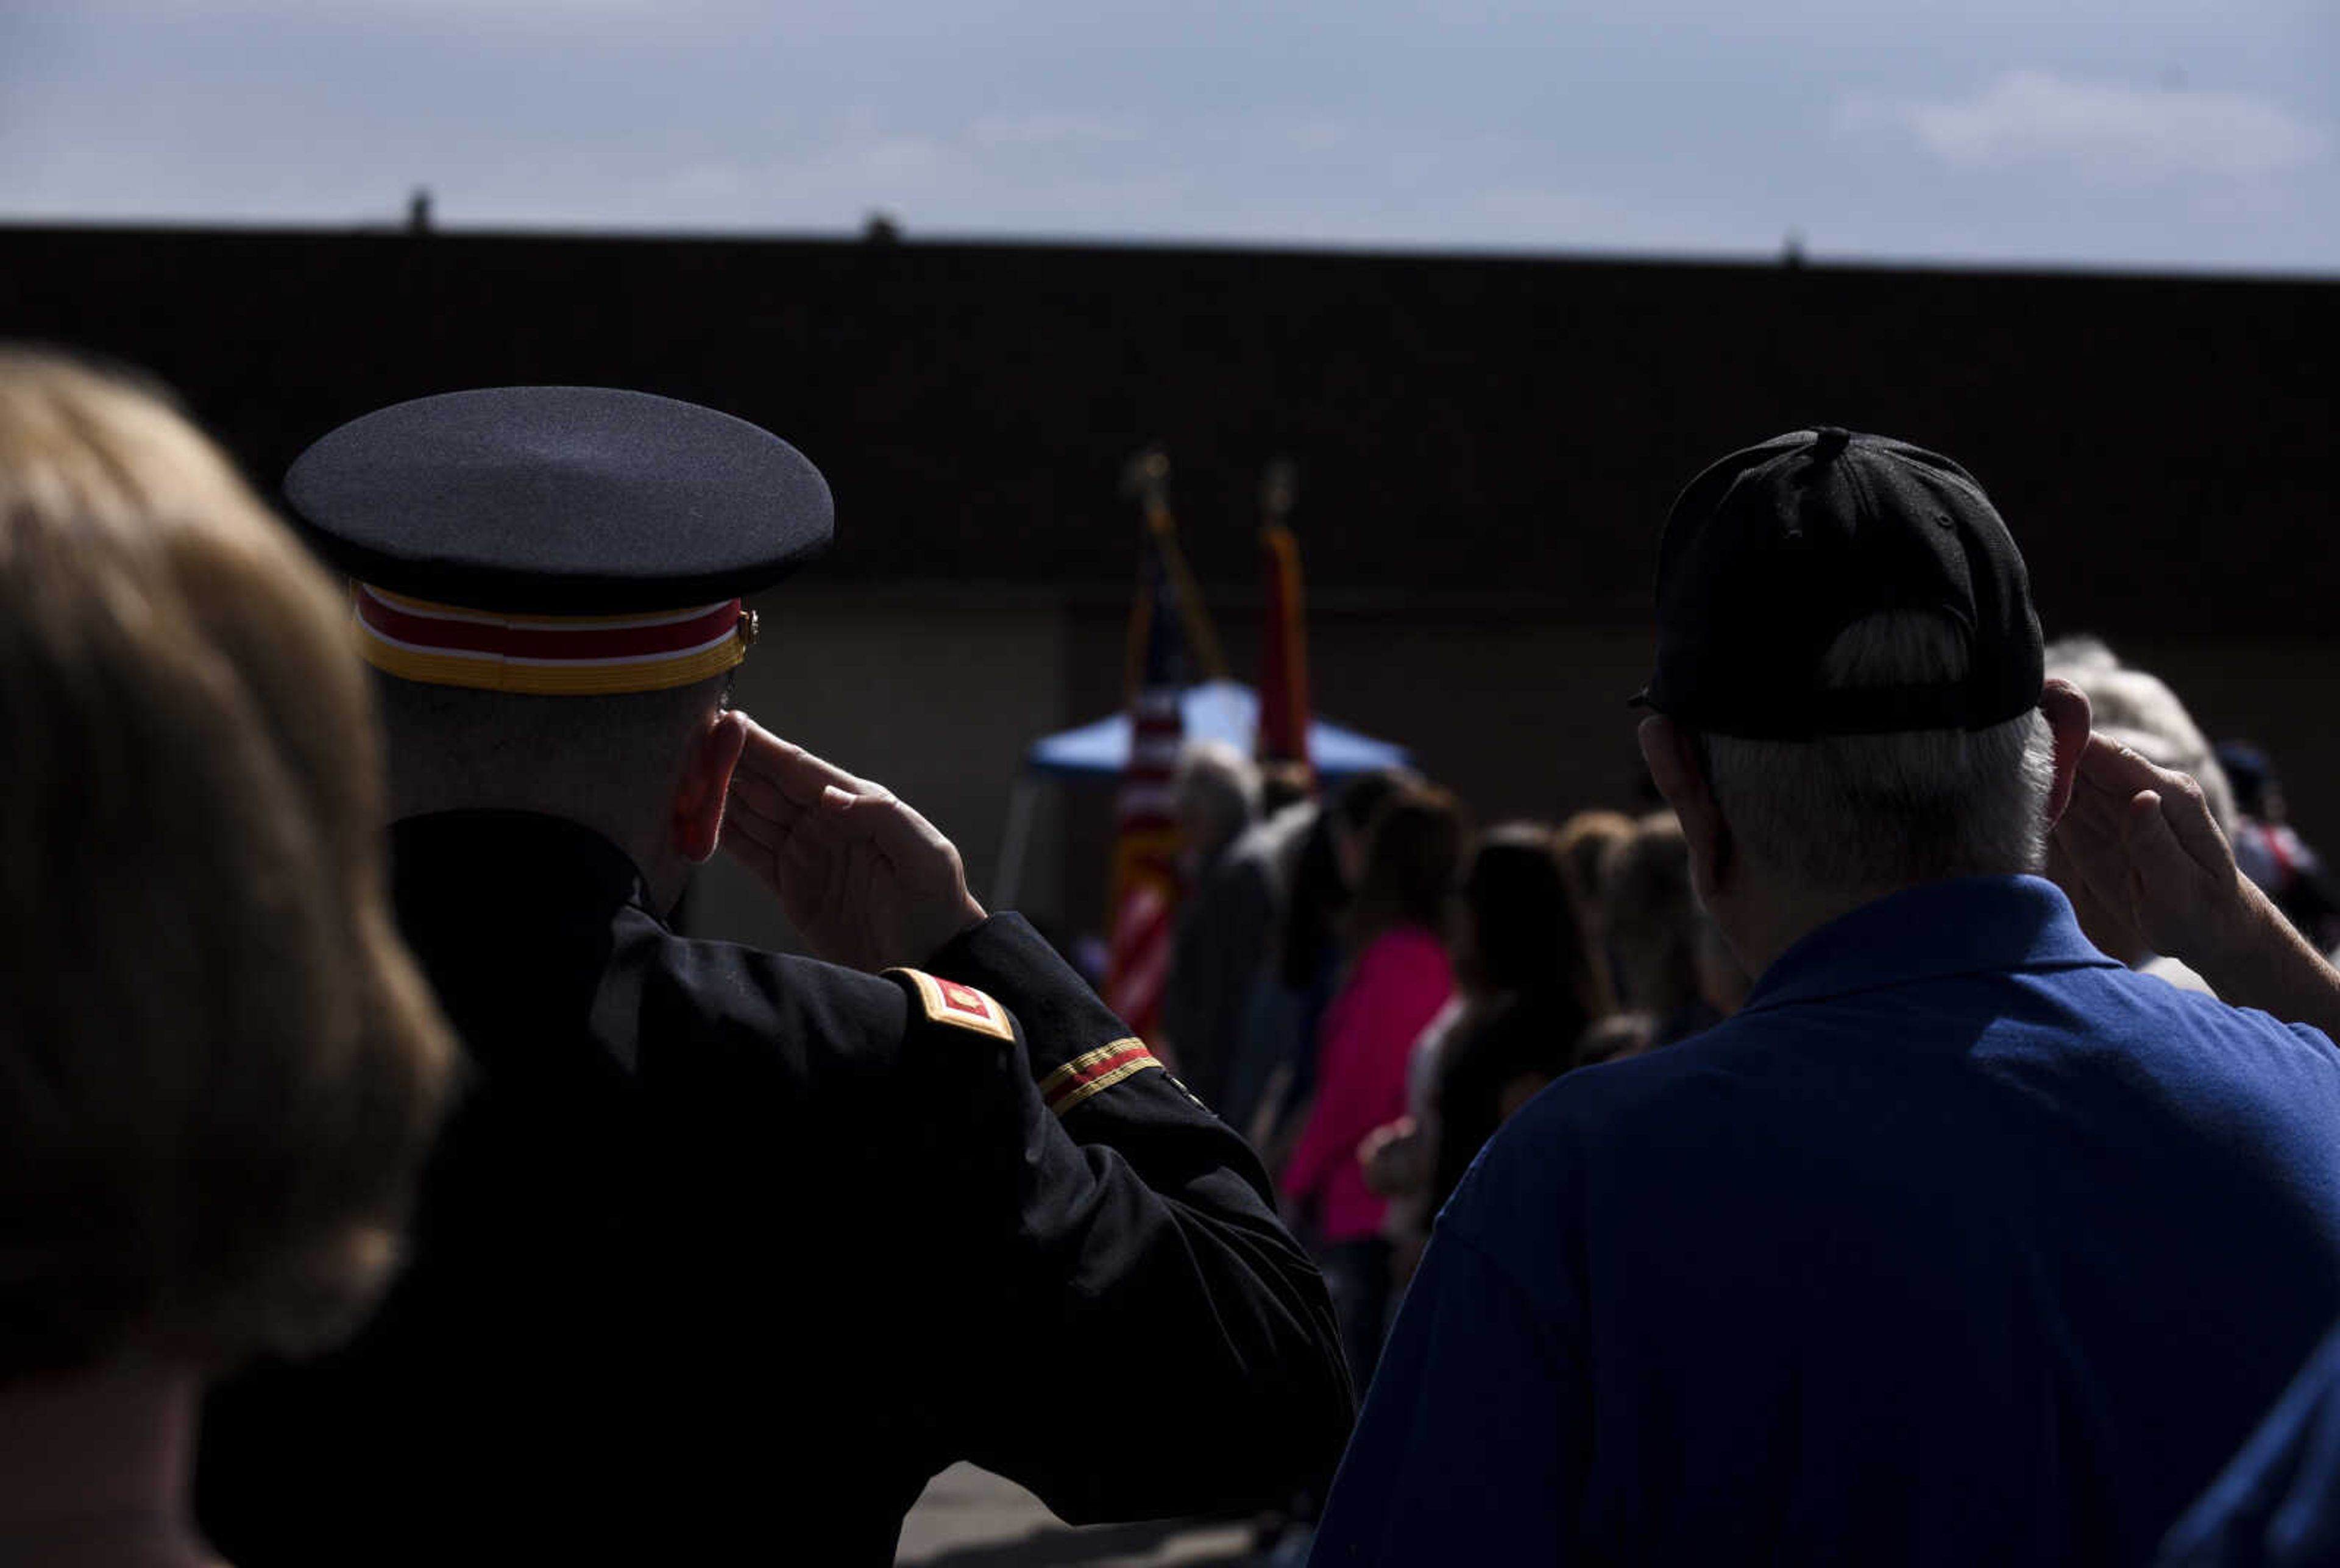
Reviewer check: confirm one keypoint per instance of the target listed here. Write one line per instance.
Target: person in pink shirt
(1397, 980)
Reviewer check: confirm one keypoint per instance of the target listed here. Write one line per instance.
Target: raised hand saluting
(865, 879)
(2143, 839)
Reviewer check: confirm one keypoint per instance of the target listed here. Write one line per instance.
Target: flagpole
(1148, 476)
(1282, 732)
(1163, 638)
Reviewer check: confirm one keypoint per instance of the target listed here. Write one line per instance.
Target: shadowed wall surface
(1487, 447)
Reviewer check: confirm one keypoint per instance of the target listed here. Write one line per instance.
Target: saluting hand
(865, 879)
(2143, 839)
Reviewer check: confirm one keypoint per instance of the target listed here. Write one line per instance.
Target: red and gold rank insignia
(961, 1007)
(1093, 1073)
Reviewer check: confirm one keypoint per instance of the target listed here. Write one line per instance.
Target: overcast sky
(2130, 132)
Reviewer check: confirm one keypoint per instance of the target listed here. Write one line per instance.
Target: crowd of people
(1367, 987)
(1917, 1143)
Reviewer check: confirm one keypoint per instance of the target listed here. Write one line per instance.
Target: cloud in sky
(2109, 129)
(1692, 126)
(1050, 128)
(1311, 179)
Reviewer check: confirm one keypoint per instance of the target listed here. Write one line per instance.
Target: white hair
(2141, 712)
(1219, 784)
(1866, 812)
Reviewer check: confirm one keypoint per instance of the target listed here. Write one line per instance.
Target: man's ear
(1673, 762)
(705, 781)
(2066, 706)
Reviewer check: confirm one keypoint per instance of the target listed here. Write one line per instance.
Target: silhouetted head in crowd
(2250, 773)
(1314, 937)
(1848, 689)
(1283, 784)
(1584, 842)
(1653, 916)
(1352, 813)
(1527, 993)
(1517, 929)
(2140, 712)
(218, 1067)
(1309, 940)
(1324, 875)
(1215, 795)
(1408, 865)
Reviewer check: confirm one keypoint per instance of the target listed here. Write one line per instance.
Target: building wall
(1522, 715)
(1464, 427)
(1486, 448)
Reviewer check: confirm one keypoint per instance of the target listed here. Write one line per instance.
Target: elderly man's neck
(1765, 915)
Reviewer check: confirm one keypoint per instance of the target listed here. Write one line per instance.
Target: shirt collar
(503, 859)
(1967, 925)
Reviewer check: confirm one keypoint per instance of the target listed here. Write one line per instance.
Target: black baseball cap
(1773, 552)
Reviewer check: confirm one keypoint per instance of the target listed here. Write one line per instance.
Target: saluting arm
(1154, 1341)
(2143, 839)
(1173, 1349)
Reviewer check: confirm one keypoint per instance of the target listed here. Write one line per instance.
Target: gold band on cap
(548, 655)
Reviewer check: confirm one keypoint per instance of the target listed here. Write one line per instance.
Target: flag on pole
(1283, 734)
(1144, 904)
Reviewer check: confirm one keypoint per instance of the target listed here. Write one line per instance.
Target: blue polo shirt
(1960, 1243)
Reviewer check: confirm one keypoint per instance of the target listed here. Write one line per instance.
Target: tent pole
(1014, 838)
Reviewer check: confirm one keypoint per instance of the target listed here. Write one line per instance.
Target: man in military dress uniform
(728, 1250)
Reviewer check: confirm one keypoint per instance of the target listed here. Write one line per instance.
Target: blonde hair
(1584, 843)
(218, 1066)
(1653, 914)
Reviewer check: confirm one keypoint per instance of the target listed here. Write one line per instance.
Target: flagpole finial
(1147, 477)
(1279, 489)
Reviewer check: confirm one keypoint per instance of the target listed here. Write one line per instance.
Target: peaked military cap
(557, 540)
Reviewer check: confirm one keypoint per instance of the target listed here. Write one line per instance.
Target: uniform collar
(1967, 925)
(506, 858)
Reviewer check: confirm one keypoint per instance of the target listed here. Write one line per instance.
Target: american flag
(1145, 848)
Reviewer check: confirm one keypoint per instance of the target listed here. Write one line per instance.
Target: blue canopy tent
(1224, 710)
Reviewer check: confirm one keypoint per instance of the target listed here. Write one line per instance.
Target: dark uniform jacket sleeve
(1154, 1341)
(726, 1252)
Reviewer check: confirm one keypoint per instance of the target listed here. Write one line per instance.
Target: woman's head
(218, 1067)
(1518, 930)
(1584, 843)
(1407, 862)
(1351, 814)
(1653, 914)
